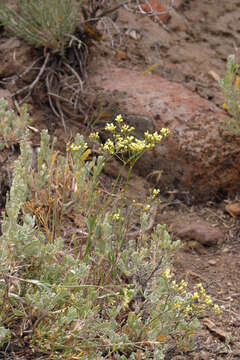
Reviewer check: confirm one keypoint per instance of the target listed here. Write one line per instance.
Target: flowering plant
(124, 143)
(230, 86)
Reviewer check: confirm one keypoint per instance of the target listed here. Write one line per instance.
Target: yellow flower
(165, 131)
(109, 147)
(126, 128)
(195, 296)
(217, 309)
(155, 192)
(177, 305)
(119, 119)
(94, 136)
(183, 283)
(225, 106)
(208, 300)
(152, 139)
(110, 127)
(167, 274)
(116, 216)
(174, 285)
(75, 147)
(137, 146)
(187, 309)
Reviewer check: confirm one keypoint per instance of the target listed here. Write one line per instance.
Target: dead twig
(76, 74)
(32, 85)
(48, 84)
(107, 12)
(14, 78)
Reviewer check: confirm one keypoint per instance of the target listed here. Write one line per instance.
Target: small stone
(233, 209)
(134, 34)
(236, 323)
(202, 233)
(204, 355)
(212, 262)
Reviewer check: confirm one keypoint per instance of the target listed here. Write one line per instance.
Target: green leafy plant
(107, 292)
(44, 23)
(230, 86)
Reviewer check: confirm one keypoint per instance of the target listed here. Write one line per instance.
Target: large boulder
(198, 156)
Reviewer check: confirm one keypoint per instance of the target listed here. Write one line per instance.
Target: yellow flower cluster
(126, 129)
(197, 302)
(109, 147)
(128, 293)
(183, 284)
(116, 216)
(119, 119)
(75, 147)
(94, 136)
(177, 305)
(217, 309)
(110, 127)
(165, 132)
(167, 274)
(124, 142)
(155, 192)
(147, 207)
(201, 296)
(153, 138)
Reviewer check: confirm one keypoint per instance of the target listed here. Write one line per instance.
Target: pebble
(212, 262)
(233, 209)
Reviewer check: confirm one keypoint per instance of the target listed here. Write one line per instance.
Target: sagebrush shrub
(43, 23)
(107, 292)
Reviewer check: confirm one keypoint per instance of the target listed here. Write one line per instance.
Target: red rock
(202, 233)
(197, 156)
(158, 10)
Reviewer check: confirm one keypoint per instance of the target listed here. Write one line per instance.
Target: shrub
(42, 23)
(107, 292)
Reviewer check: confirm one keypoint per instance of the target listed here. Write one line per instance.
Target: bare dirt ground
(191, 49)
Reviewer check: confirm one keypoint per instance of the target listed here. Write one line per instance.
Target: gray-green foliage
(42, 23)
(230, 86)
(75, 300)
(15, 235)
(12, 126)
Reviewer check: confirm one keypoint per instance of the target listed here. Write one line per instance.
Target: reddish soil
(191, 49)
